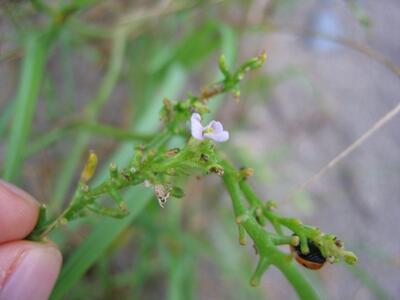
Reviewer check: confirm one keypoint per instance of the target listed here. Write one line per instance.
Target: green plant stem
(262, 240)
(256, 201)
(277, 220)
(91, 112)
(296, 279)
(83, 197)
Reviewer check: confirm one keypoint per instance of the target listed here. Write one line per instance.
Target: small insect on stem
(162, 194)
(313, 260)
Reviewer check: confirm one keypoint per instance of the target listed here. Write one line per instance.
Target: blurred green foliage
(149, 51)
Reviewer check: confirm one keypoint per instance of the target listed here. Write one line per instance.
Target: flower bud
(271, 205)
(90, 167)
(223, 67)
(349, 257)
(113, 169)
(295, 240)
(245, 173)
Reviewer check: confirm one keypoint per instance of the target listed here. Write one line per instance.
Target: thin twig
(380, 123)
(374, 55)
(343, 41)
(367, 51)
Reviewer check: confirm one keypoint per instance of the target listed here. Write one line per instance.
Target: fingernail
(34, 275)
(12, 189)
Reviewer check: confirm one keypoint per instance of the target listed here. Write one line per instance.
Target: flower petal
(216, 126)
(195, 116)
(218, 137)
(196, 127)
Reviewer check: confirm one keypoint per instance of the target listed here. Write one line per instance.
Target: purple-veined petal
(196, 127)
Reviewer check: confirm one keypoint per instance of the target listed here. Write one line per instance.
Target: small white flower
(214, 130)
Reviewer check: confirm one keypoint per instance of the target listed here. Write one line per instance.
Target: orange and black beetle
(314, 260)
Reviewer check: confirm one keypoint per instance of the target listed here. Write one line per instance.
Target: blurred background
(330, 75)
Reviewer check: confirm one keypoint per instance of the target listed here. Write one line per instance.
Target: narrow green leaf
(25, 103)
(6, 116)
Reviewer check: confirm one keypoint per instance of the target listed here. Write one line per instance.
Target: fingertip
(18, 214)
(29, 270)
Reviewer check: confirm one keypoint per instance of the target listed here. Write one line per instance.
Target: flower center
(208, 130)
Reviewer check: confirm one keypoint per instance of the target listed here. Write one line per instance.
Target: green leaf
(25, 103)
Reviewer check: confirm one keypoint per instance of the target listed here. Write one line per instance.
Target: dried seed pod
(217, 170)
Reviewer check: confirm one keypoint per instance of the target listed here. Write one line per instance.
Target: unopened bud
(242, 218)
(113, 169)
(295, 240)
(271, 205)
(90, 167)
(245, 172)
(350, 257)
(223, 67)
